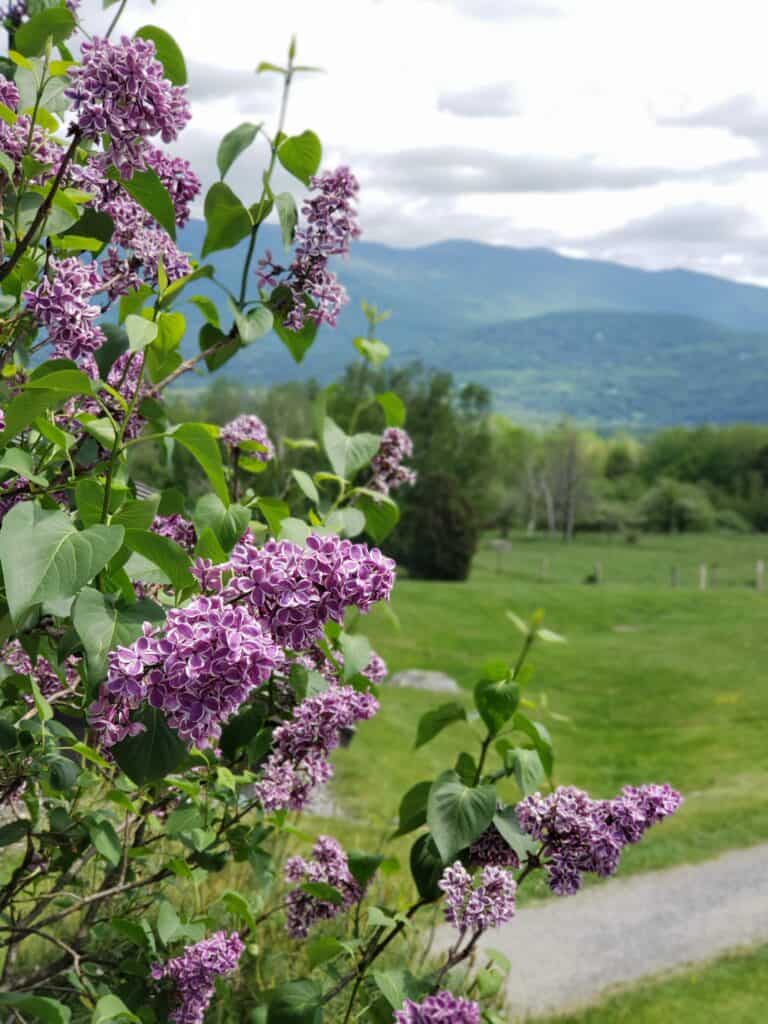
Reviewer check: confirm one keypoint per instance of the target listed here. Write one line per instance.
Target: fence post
(702, 577)
(759, 574)
(674, 576)
(598, 572)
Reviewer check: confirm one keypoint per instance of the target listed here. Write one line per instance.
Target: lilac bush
(178, 668)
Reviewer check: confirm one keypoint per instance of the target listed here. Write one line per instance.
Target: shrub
(440, 535)
(674, 507)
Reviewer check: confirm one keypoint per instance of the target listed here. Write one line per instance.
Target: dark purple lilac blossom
(61, 303)
(120, 90)
(583, 835)
(328, 864)
(15, 12)
(476, 907)
(299, 761)
(298, 589)
(178, 177)
(331, 224)
(194, 974)
(441, 1008)
(207, 662)
(248, 427)
(9, 93)
(176, 528)
(41, 670)
(388, 471)
(492, 849)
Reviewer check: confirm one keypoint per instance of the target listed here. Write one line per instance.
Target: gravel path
(567, 952)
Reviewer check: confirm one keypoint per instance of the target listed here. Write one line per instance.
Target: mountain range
(547, 334)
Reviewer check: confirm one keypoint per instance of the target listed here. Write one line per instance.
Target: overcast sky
(632, 130)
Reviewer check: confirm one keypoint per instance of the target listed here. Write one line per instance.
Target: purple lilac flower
(300, 747)
(16, 11)
(194, 974)
(61, 303)
(329, 864)
(376, 671)
(2, 419)
(177, 529)
(298, 589)
(441, 1008)
(41, 670)
(388, 471)
(584, 835)
(248, 428)
(491, 848)
(9, 93)
(475, 908)
(331, 224)
(209, 659)
(120, 90)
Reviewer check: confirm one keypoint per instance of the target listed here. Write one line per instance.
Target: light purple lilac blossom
(9, 93)
(176, 528)
(16, 11)
(120, 90)
(41, 670)
(476, 907)
(248, 427)
(194, 974)
(61, 303)
(441, 1008)
(331, 224)
(205, 665)
(388, 471)
(298, 589)
(299, 759)
(585, 835)
(329, 864)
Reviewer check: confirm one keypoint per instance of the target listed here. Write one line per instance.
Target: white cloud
(495, 100)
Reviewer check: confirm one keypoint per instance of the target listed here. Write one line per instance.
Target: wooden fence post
(703, 577)
(759, 574)
(598, 572)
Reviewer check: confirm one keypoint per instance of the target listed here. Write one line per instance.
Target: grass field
(731, 990)
(657, 683)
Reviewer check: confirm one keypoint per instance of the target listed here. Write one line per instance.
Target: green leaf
(322, 891)
(307, 484)
(65, 382)
(208, 308)
(542, 740)
(168, 923)
(399, 984)
(348, 454)
(166, 554)
(135, 514)
(50, 1011)
(233, 144)
(228, 524)
(20, 463)
(529, 771)
(413, 809)
(347, 522)
(152, 754)
(507, 824)
(381, 515)
(237, 905)
(363, 866)
(44, 558)
(289, 215)
(105, 839)
(102, 625)
(300, 155)
(322, 949)
(111, 1008)
(62, 774)
(140, 332)
(226, 347)
(168, 53)
(357, 653)
(94, 225)
(228, 221)
(376, 352)
(458, 814)
(253, 325)
(274, 511)
(13, 832)
(89, 498)
(200, 440)
(394, 408)
(496, 702)
(296, 1002)
(57, 22)
(152, 195)
(298, 343)
(434, 721)
(426, 867)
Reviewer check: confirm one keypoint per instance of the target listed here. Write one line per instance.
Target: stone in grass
(424, 679)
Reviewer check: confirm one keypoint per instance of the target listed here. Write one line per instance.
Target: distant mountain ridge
(549, 335)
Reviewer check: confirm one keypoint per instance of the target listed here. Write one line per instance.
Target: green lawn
(730, 991)
(656, 683)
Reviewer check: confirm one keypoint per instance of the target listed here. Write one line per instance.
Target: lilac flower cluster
(194, 974)
(329, 864)
(248, 427)
(298, 589)
(492, 849)
(300, 747)
(120, 90)
(210, 658)
(41, 670)
(475, 908)
(376, 671)
(584, 835)
(388, 471)
(61, 303)
(441, 1008)
(331, 224)
(16, 11)
(176, 528)
(9, 93)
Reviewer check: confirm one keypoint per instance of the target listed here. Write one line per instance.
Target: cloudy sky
(632, 130)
